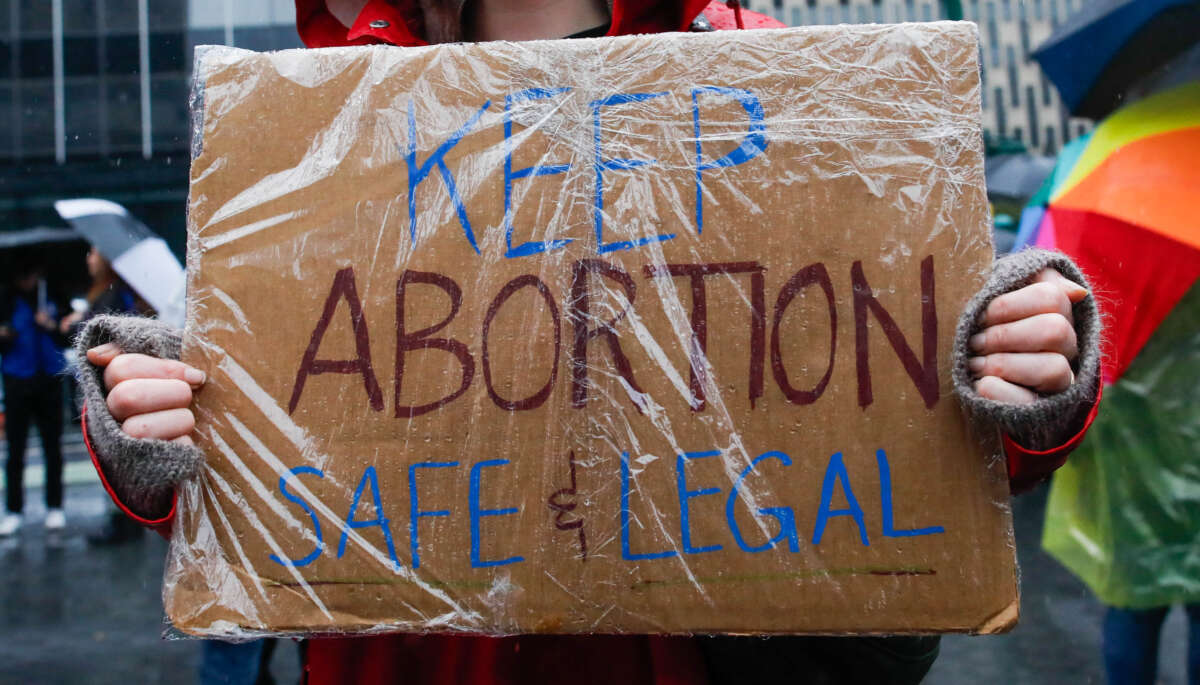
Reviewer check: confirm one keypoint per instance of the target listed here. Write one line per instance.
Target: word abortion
(922, 369)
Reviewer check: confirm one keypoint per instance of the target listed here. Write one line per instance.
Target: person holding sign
(1026, 358)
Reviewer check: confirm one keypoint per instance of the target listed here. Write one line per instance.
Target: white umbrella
(136, 253)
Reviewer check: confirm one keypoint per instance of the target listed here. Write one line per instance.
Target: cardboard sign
(647, 334)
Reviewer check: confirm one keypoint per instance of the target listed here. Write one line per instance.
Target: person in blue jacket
(32, 350)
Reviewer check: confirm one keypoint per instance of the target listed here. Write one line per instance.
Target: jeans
(36, 400)
(1131, 644)
(233, 663)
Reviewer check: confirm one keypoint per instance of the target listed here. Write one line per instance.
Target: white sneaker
(55, 519)
(9, 524)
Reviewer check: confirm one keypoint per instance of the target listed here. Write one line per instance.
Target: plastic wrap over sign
(643, 334)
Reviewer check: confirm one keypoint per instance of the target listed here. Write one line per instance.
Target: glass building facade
(94, 99)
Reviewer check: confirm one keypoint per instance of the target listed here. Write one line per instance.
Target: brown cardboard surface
(740, 420)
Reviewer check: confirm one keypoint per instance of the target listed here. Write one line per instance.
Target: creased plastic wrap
(644, 334)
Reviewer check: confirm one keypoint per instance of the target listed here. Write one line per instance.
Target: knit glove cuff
(1053, 418)
(143, 473)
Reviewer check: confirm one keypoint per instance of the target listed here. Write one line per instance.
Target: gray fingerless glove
(1051, 419)
(142, 472)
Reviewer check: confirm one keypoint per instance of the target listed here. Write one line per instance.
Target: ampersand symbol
(562, 502)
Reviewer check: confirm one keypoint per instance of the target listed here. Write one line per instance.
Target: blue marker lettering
(754, 144)
(618, 164)
(379, 520)
(835, 470)
(477, 513)
(415, 513)
(531, 247)
(785, 515)
(885, 504)
(416, 173)
(685, 495)
(305, 561)
(626, 554)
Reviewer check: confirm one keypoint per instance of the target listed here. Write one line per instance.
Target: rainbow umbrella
(1033, 216)
(1107, 46)
(1125, 209)
(1124, 512)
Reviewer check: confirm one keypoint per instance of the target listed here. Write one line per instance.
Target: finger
(1071, 289)
(101, 355)
(130, 366)
(1039, 298)
(1042, 371)
(146, 395)
(184, 440)
(1001, 390)
(160, 425)
(1040, 333)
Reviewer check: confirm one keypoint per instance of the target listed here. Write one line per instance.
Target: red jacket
(629, 660)
(399, 22)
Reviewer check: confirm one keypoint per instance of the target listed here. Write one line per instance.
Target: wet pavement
(73, 614)
(70, 613)
(1058, 638)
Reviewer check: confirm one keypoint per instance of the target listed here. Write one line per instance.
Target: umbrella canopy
(1125, 210)
(1103, 49)
(40, 235)
(1017, 176)
(57, 252)
(136, 253)
(1142, 166)
(1033, 217)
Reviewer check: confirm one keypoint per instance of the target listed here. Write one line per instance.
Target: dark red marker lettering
(758, 334)
(562, 502)
(698, 350)
(923, 373)
(809, 275)
(343, 287)
(579, 312)
(420, 340)
(537, 399)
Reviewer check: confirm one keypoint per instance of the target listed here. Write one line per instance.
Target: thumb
(101, 355)
(1074, 292)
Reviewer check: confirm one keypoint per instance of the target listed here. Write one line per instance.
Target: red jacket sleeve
(162, 526)
(1027, 467)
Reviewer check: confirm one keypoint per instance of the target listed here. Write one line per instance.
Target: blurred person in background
(32, 348)
(108, 294)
